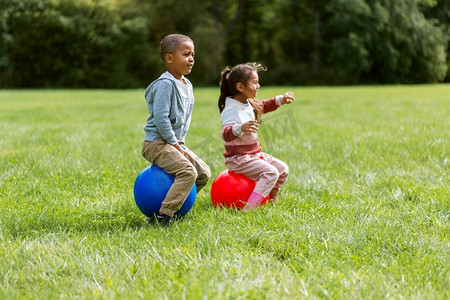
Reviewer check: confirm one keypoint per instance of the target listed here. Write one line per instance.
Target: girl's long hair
(224, 88)
(231, 76)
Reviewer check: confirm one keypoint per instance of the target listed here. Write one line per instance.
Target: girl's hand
(250, 126)
(288, 97)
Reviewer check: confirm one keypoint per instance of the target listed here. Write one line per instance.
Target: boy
(170, 101)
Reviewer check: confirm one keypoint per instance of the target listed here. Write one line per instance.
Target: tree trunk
(317, 42)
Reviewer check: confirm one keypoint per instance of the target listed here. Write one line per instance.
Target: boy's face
(181, 62)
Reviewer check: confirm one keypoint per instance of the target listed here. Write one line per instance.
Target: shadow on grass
(73, 222)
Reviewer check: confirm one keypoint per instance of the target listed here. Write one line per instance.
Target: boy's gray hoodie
(170, 104)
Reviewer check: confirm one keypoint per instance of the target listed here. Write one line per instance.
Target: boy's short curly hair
(170, 43)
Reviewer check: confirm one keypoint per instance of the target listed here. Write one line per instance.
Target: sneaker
(163, 220)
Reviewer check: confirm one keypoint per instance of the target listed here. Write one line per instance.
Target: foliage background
(115, 43)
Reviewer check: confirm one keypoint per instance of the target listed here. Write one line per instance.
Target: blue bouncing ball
(151, 187)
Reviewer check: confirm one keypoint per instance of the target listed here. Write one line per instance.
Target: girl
(240, 114)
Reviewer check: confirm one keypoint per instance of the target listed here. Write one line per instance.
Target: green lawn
(365, 213)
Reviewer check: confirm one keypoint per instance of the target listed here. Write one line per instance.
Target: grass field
(365, 213)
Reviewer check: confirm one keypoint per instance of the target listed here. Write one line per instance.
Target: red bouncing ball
(232, 190)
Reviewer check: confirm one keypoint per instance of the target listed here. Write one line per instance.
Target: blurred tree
(440, 11)
(248, 32)
(386, 41)
(67, 44)
(351, 25)
(300, 41)
(193, 18)
(115, 43)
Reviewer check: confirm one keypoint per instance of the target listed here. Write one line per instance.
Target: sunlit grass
(365, 213)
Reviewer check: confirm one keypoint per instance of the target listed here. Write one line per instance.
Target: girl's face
(181, 62)
(250, 89)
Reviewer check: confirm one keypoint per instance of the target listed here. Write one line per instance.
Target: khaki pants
(270, 172)
(186, 169)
